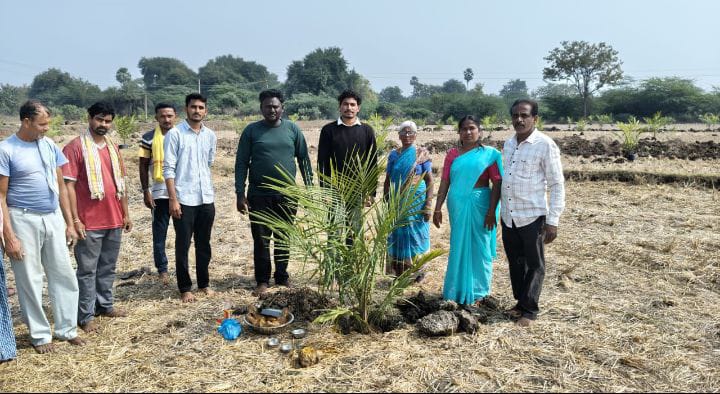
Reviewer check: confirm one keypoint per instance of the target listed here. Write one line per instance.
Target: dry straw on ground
(629, 304)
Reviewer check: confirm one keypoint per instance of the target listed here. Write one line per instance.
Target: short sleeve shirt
(28, 187)
(95, 214)
(158, 189)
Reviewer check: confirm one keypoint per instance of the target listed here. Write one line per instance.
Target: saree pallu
(7, 335)
(472, 246)
(413, 238)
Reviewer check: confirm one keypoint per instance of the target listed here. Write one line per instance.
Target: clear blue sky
(386, 41)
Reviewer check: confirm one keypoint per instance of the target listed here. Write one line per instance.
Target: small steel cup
(286, 347)
(272, 342)
(298, 333)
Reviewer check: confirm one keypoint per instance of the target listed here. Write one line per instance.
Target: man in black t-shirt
(344, 145)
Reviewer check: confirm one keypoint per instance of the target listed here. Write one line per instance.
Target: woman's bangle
(76, 220)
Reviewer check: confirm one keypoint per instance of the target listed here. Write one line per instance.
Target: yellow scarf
(158, 155)
(93, 166)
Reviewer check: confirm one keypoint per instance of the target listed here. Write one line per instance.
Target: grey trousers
(43, 239)
(96, 258)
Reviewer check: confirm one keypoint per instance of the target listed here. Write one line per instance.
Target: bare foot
(90, 326)
(513, 313)
(187, 297)
(44, 349)
(261, 288)
(164, 278)
(11, 291)
(524, 322)
(115, 312)
(207, 291)
(77, 341)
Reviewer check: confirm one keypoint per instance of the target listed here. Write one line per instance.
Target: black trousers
(160, 222)
(195, 223)
(283, 208)
(525, 251)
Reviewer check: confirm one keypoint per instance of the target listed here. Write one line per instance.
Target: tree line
(583, 80)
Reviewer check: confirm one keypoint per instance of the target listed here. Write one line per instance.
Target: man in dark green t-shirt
(267, 149)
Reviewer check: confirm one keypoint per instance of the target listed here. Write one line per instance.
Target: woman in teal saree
(409, 166)
(471, 182)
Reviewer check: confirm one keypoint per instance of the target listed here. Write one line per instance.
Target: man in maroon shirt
(95, 176)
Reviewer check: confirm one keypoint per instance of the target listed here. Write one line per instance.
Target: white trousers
(43, 239)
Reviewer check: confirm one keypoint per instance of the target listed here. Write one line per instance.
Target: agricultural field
(629, 301)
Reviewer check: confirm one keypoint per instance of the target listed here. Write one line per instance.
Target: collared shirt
(188, 158)
(532, 169)
(355, 123)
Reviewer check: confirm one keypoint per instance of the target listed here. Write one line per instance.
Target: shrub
(329, 215)
(710, 120)
(240, 123)
(488, 124)
(72, 112)
(656, 123)
(310, 106)
(581, 124)
(56, 122)
(125, 126)
(630, 134)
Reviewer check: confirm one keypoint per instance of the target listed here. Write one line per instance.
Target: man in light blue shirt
(36, 226)
(189, 151)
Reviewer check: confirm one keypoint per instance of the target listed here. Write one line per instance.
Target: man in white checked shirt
(531, 161)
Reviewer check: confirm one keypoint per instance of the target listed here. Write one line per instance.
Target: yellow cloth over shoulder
(158, 155)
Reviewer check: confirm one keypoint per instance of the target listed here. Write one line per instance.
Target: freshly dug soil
(576, 145)
(305, 303)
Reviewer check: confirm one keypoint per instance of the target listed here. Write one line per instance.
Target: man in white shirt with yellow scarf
(155, 194)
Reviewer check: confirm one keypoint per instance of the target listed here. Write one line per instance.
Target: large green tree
(55, 88)
(228, 69)
(453, 86)
(559, 101)
(588, 66)
(322, 71)
(421, 90)
(128, 98)
(161, 72)
(672, 96)
(514, 90)
(11, 98)
(391, 94)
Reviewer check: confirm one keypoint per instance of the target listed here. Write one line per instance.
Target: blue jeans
(160, 222)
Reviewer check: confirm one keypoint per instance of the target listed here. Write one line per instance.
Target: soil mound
(305, 303)
(672, 149)
(576, 145)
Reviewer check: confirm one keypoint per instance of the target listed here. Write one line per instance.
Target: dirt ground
(629, 304)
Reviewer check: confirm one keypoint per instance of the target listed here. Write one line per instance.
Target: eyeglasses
(406, 133)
